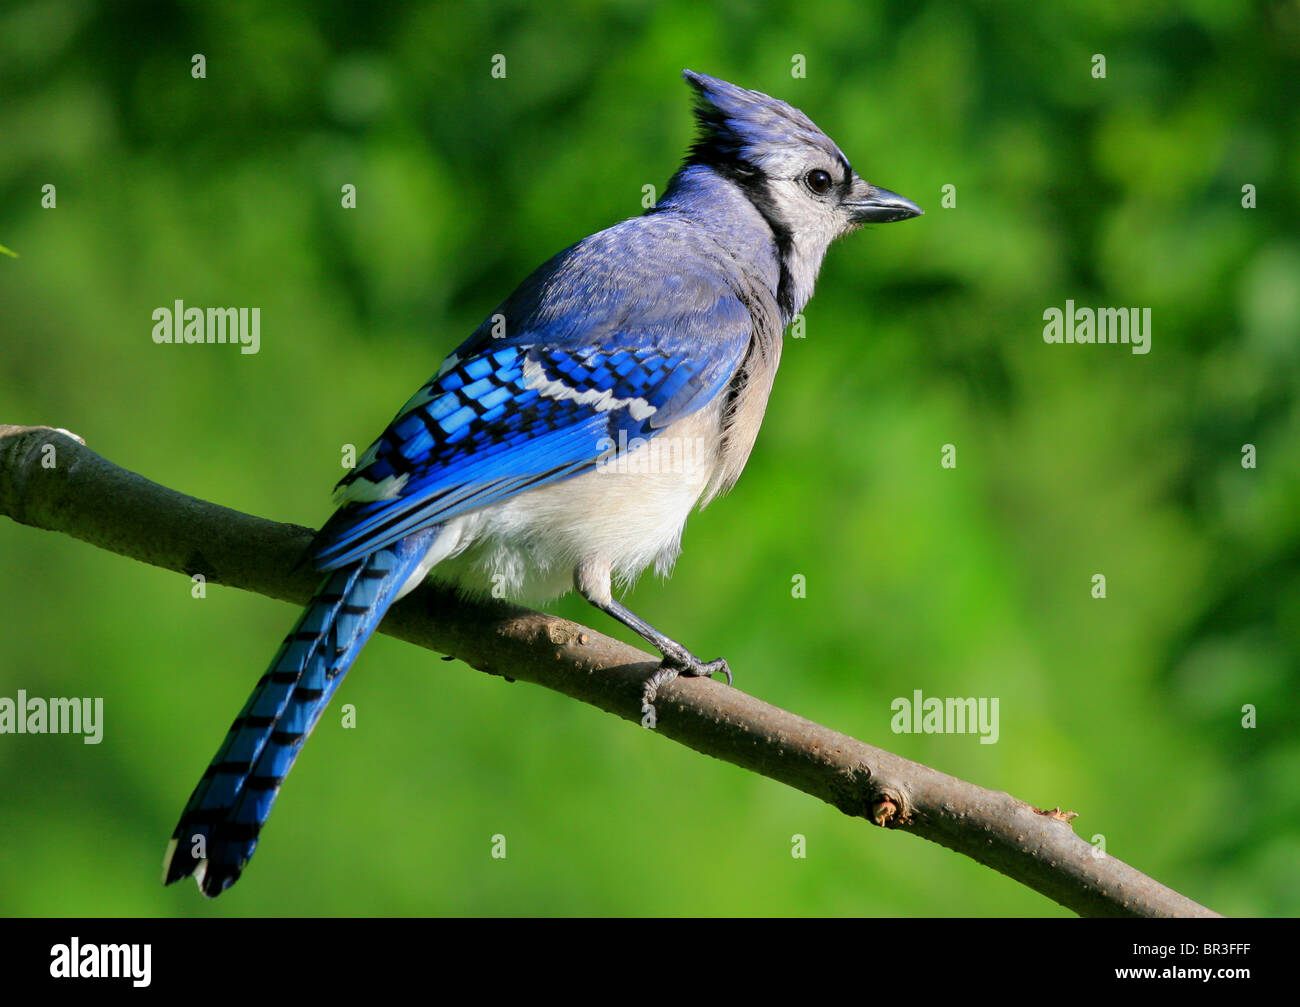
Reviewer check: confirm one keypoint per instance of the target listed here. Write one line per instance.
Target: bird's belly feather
(629, 512)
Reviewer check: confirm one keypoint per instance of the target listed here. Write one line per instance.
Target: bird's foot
(681, 662)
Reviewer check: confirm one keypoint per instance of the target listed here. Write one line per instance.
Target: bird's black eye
(819, 181)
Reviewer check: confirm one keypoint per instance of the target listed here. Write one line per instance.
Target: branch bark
(50, 480)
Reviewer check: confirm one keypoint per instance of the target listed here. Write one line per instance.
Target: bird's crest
(749, 132)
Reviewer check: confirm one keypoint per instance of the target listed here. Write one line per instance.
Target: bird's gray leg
(592, 579)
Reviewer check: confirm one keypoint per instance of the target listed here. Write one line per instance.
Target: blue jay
(531, 462)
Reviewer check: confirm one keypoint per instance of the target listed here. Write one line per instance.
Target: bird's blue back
(651, 312)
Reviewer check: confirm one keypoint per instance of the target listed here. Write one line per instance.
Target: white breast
(628, 513)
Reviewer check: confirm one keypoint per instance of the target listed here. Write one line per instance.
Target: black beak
(880, 206)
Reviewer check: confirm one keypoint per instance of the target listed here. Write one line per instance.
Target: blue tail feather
(217, 832)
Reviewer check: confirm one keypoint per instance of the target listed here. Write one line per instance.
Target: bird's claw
(710, 668)
(686, 664)
(650, 691)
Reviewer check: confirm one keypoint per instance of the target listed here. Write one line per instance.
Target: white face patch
(813, 225)
(535, 378)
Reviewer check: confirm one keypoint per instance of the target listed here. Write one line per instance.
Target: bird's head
(792, 172)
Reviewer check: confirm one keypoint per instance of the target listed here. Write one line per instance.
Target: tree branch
(50, 480)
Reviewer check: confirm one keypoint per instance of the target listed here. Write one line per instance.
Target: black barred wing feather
(519, 415)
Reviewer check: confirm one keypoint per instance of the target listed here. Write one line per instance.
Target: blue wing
(570, 383)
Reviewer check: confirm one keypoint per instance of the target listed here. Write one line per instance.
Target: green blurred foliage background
(1072, 460)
